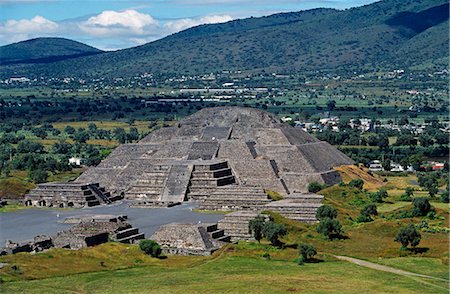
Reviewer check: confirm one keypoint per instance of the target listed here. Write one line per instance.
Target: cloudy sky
(116, 24)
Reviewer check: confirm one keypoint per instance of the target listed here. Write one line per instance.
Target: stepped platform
(75, 195)
(190, 239)
(235, 225)
(234, 197)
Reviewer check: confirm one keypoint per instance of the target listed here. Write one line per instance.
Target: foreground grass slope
(236, 269)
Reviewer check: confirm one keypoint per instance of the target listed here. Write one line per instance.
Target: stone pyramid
(215, 147)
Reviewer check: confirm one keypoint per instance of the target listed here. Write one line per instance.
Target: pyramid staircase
(235, 197)
(235, 225)
(150, 186)
(206, 178)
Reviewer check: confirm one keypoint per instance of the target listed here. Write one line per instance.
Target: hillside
(385, 34)
(44, 50)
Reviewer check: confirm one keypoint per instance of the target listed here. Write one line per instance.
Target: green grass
(227, 272)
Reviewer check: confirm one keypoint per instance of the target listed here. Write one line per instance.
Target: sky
(118, 24)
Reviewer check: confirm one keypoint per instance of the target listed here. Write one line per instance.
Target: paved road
(24, 224)
(384, 268)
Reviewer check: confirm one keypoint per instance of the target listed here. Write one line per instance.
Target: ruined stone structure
(190, 239)
(227, 158)
(68, 195)
(88, 231)
(224, 156)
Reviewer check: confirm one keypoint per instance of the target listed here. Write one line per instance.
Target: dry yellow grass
(351, 172)
(142, 126)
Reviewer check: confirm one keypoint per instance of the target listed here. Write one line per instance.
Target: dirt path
(384, 268)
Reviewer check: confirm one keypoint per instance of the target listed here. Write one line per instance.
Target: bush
(378, 196)
(326, 211)
(421, 206)
(38, 176)
(150, 247)
(306, 251)
(314, 187)
(356, 183)
(445, 197)
(407, 196)
(329, 227)
(256, 227)
(408, 235)
(272, 231)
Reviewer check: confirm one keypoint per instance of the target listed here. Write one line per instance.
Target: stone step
(131, 239)
(90, 198)
(126, 233)
(92, 203)
(231, 197)
(213, 181)
(211, 228)
(226, 239)
(212, 174)
(214, 166)
(217, 234)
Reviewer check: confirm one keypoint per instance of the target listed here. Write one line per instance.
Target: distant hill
(382, 35)
(44, 50)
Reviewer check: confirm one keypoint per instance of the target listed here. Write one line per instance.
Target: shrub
(150, 247)
(314, 187)
(329, 227)
(356, 183)
(326, 211)
(378, 196)
(256, 227)
(445, 197)
(272, 231)
(407, 196)
(421, 206)
(370, 209)
(306, 251)
(275, 196)
(408, 235)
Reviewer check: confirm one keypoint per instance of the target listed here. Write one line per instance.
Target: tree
(150, 247)
(408, 235)
(256, 227)
(272, 231)
(421, 206)
(314, 187)
(386, 165)
(407, 196)
(331, 105)
(429, 182)
(378, 196)
(306, 251)
(329, 227)
(69, 130)
(416, 161)
(366, 213)
(357, 183)
(426, 140)
(38, 176)
(81, 136)
(326, 211)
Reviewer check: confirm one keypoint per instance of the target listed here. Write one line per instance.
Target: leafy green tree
(314, 187)
(28, 146)
(426, 140)
(273, 231)
(357, 183)
(378, 196)
(416, 161)
(366, 213)
(407, 196)
(386, 165)
(331, 105)
(429, 182)
(150, 247)
(408, 235)
(81, 136)
(330, 228)
(306, 252)
(69, 130)
(421, 206)
(256, 227)
(38, 175)
(326, 211)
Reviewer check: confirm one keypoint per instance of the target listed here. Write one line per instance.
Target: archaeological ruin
(224, 158)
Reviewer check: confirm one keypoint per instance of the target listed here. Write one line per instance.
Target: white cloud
(15, 30)
(110, 23)
(181, 24)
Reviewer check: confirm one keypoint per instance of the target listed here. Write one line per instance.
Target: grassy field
(235, 269)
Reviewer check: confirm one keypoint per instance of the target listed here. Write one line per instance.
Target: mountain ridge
(368, 36)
